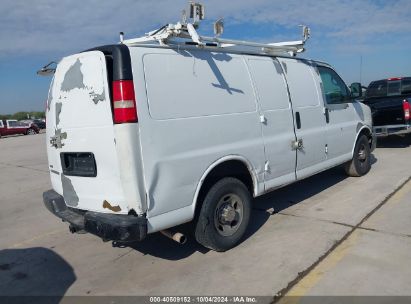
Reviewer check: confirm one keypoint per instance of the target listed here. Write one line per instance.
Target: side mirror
(356, 90)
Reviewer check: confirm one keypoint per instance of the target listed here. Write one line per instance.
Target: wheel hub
(227, 214)
(361, 154)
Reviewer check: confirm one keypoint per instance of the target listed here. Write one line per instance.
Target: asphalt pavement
(326, 235)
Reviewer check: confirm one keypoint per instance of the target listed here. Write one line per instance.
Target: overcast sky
(33, 33)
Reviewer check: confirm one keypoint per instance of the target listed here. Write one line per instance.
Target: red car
(12, 127)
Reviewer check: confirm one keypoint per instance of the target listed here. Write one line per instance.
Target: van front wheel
(361, 161)
(224, 215)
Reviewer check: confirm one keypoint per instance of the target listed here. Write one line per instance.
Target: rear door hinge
(263, 119)
(56, 141)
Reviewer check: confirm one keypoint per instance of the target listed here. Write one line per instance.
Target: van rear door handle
(297, 144)
(298, 120)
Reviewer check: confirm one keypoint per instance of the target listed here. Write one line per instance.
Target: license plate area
(78, 164)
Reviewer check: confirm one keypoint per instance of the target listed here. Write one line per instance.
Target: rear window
(14, 123)
(384, 88)
(406, 86)
(394, 88)
(377, 89)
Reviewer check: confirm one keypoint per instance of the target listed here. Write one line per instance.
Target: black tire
(224, 216)
(31, 132)
(361, 161)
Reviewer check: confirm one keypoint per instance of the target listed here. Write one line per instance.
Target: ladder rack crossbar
(185, 33)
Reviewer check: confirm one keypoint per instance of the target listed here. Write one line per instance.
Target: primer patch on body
(73, 78)
(97, 97)
(50, 95)
(57, 140)
(58, 111)
(70, 195)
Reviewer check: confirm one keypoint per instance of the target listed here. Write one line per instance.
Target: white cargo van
(148, 134)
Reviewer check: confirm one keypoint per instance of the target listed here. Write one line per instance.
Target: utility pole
(361, 69)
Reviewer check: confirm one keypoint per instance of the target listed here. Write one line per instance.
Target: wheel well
(367, 133)
(230, 168)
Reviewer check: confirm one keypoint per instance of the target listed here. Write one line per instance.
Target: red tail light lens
(406, 107)
(124, 102)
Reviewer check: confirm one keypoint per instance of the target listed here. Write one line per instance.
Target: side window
(406, 86)
(377, 89)
(1, 124)
(394, 88)
(335, 89)
(13, 124)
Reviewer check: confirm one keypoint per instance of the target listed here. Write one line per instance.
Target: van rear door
(81, 149)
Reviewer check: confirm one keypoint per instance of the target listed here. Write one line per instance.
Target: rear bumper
(392, 130)
(114, 227)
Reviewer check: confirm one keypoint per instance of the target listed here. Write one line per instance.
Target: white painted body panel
(341, 130)
(79, 106)
(189, 119)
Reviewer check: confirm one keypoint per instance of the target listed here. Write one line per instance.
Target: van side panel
(278, 129)
(307, 102)
(194, 108)
(197, 85)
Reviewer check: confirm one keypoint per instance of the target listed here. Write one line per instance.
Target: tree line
(23, 115)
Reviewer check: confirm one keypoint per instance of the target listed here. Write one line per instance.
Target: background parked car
(389, 100)
(13, 127)
(40, 123)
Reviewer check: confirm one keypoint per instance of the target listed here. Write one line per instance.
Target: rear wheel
(31, 132)
(224, 215)
(361, 161)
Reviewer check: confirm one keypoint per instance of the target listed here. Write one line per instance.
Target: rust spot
(107, 205)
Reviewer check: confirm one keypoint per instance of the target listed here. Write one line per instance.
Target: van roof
(121, 55)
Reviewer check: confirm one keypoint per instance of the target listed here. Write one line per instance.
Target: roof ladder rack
(185, 32)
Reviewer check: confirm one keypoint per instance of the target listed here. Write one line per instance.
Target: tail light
(124, 102)
(406, 108)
